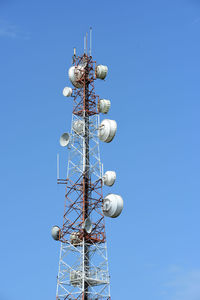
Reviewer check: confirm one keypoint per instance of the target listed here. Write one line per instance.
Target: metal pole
(90, 41)
(86, 180)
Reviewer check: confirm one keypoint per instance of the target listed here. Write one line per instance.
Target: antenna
(90, 52)
(86, 38)
(84, 44)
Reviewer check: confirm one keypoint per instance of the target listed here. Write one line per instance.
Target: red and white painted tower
(83, 265)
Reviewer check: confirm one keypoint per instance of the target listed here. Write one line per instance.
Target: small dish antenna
(87, 225)
(107, 130)
(67, 91)
(112, 205)
(104, 106)
(64, 139)
(55, 233)
(101, 72)
(109, 178)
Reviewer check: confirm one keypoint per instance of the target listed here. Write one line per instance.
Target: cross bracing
(83, 265)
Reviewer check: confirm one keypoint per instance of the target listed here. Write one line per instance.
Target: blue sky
(152, 51)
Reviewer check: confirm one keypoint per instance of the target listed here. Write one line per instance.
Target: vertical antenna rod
(84, 44)
(86, 38)
(90, 52)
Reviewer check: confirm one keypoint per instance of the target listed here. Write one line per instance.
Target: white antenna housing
(88, 225)
(67, 91)
(55, 232)
(101, 71)
(109, 178)
(78, 126)
(112, 205)
(104, 106)
(75, 239)
(107, 130)
(64, 139)
(75, 73)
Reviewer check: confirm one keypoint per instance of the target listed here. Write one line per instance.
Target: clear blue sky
(152, 49)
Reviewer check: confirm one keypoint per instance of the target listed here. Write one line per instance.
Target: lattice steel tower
(83, 265)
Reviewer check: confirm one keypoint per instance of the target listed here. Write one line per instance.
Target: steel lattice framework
(83, 265)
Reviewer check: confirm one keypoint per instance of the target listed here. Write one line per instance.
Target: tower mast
(83, 265)
(86, 175)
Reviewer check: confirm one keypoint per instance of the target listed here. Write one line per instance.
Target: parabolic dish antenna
(64, 139)
(75, 74)
(107, 130)
(67, 91)
(55, 232)
(112, 205)
(104, 106)
(109, 178)
(88, 225)
(78, 126)
(101, 71)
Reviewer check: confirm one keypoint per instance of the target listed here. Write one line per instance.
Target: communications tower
(83, 264)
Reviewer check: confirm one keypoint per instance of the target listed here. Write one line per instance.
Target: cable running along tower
(83, 265)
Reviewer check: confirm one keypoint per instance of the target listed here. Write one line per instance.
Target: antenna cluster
(83, 266)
